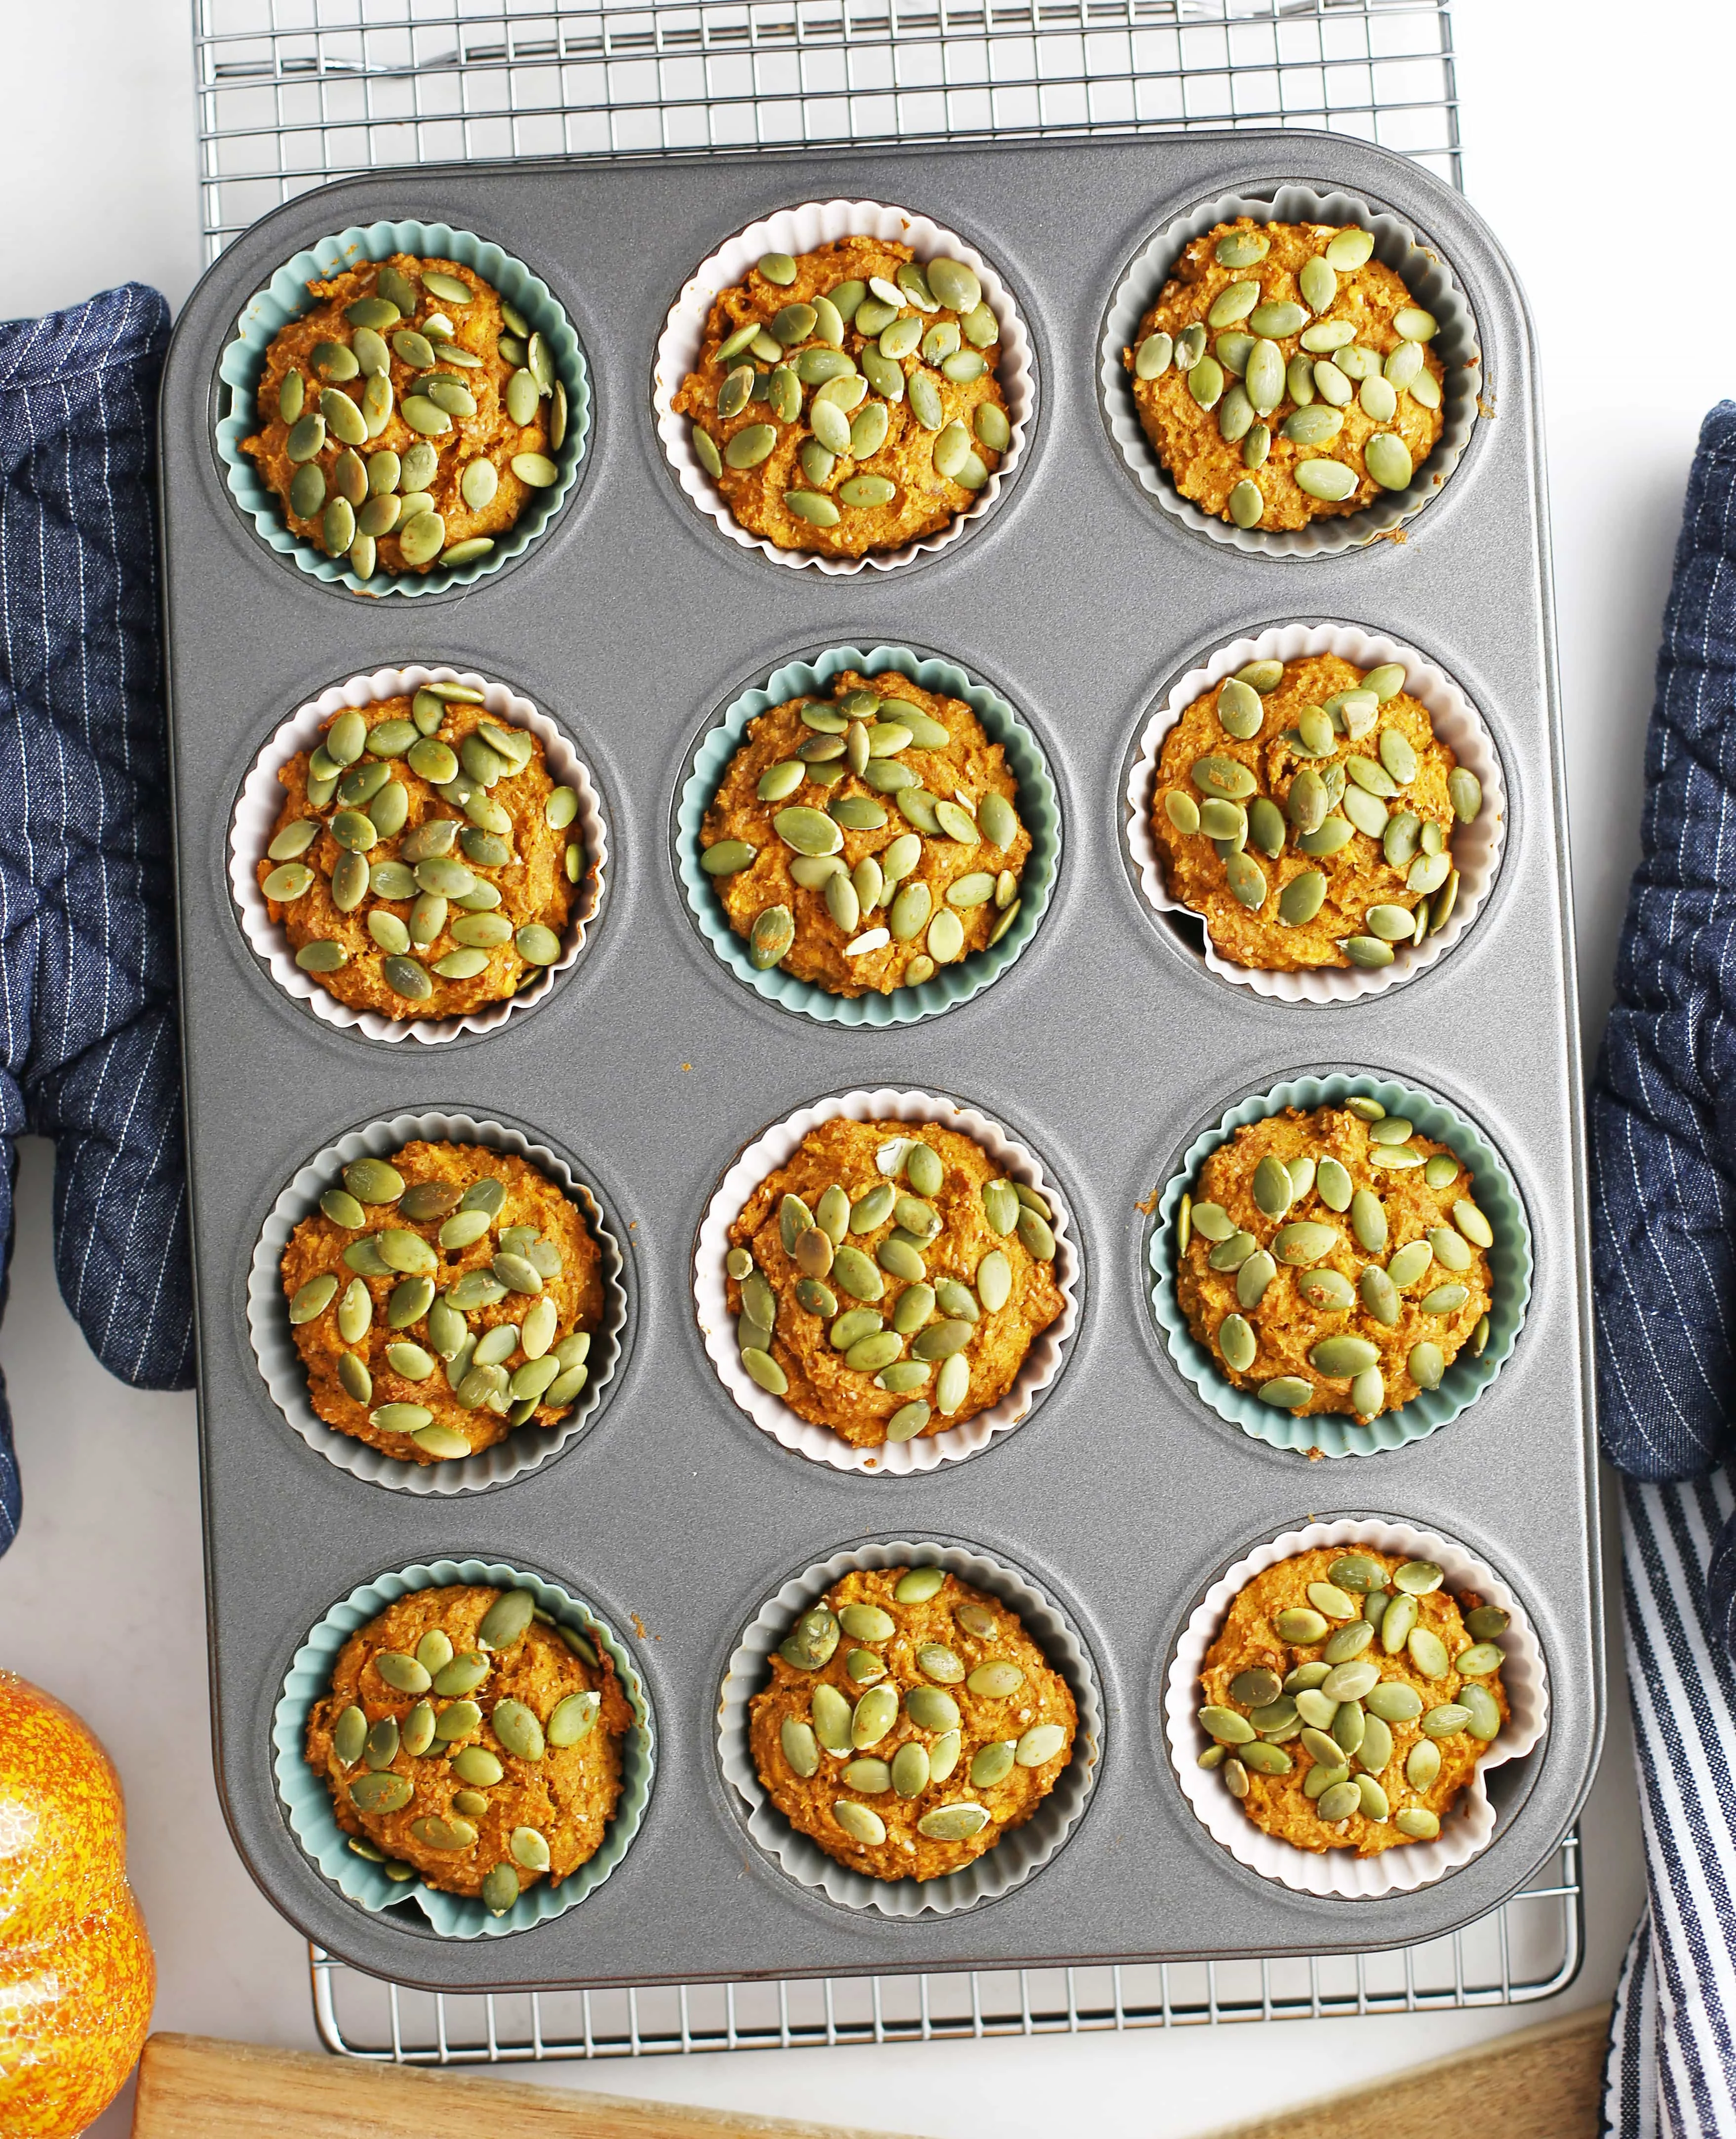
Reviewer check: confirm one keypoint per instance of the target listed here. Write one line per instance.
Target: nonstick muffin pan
(1105, 1050)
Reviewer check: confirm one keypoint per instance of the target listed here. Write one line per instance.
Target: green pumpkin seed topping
(458, 1323)
(1355, 1733)
(836, 1263)
(1322, 1275)
(1290, 310)
(952, 1729)
(882, 833)
(392, 372)
(1326, 787)
(832, 383)
(432, 816)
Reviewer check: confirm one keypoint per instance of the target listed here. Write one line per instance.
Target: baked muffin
(441, 1298)
(846, 401)
(470, 1741)
(407, 417)
(1285, 375)
(861, 841)
(422, 864)
(1305, 810)
(910, 1722)
(1334, 1260)
(889, 1281)
(1349, 1698)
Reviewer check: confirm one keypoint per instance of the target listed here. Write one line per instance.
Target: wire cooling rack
(1529, 1949)
(294, 92)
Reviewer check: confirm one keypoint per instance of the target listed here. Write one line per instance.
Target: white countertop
(101, 1599)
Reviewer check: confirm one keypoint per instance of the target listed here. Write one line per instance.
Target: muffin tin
(1107, 1048)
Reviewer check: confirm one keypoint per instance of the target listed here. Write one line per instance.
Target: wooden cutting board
(191, 2087)
(1548, 2080)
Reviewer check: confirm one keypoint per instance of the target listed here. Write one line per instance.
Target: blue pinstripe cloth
(89, 1052)
(1664, 1242)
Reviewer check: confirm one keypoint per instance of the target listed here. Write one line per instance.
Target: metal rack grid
(294, 92)
(1529, 1949)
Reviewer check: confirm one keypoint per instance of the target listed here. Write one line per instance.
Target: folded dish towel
(1664, 1244)
(89, 1054)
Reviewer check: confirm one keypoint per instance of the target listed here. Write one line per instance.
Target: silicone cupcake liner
(1425, 273)
(526, 1448)
(1476, 846)
(1339, 1874)
(799, 230)
(308, 1805)
(1039, 810)
(285, 298)
(1333, 1433)
(1014, 1859)
(261, 797)
(770, 1414)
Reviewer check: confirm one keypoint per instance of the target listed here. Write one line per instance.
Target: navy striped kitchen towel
(89, 1052)
(1664, 1241)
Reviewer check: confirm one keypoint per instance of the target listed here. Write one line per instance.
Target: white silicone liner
(1423, 272)
(1476, 846)
(1340, 1874)
(1019, 1853)
(279, 1364)
(261, 799)
(774, 1148)
(798, 230)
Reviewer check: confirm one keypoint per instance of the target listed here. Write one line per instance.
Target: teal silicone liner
(1038, 808)
(1333, 1433)
(305, 1799)
(285, 298)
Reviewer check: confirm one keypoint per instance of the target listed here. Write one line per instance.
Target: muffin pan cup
(903, 1459)
(1338, 1433)
(802, 229)
(285, 298)
(1399, 246)
(634, 624)
(1476, 846)
(261, 799)
(307, 1803)
(1039, 809)
(280, 1364)
(1024, 1850)
(1341, 1874)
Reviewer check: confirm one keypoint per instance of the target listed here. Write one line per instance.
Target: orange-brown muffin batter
(932, 1277)
(455, 414)
(414, 1264)
(1284, 375)
(1305, 810)
(905, 353)
(1329, 1270)
(1349, 1700)
(422, 864)
(496, 1737)
(861, 839)
(910, 1722)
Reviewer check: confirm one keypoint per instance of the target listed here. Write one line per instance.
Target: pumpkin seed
(1327, 1290)
(1237, 1343)
(1327, 479)
(1305, 1241)
(1341, 1357)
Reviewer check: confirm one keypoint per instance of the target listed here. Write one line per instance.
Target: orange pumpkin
(76, 1975)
